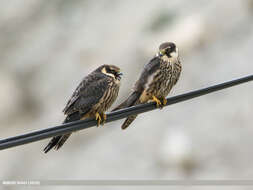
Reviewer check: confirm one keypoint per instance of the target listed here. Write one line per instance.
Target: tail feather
(128, 121)
(52, 143)
(57, 141)
(62, 140)
(132, 100)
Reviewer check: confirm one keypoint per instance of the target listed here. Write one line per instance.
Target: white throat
(174, 54)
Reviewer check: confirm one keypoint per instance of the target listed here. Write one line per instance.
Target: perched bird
(93, 96)
(156, 80)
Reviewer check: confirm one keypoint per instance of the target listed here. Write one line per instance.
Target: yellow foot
(158, 102)
(98, 118)
(104, 118)
(164, 101)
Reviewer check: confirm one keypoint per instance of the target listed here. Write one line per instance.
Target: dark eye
(114, 72)
(108, 70)
(111, 71)
(170, 49)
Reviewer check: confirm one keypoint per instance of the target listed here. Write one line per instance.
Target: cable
(113, 116)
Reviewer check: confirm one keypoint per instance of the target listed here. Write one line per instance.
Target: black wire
(113, 116)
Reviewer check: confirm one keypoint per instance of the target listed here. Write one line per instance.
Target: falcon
(93, 96)
(156, 80)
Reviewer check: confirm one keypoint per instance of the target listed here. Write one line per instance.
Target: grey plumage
(156, 80)
(93, 96)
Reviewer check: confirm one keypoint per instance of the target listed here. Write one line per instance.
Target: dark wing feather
(86, 85)
(148, 70)
(90, 96)
(139, 87)
(85, 98)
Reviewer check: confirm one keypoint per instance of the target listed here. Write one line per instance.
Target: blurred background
(47, 47)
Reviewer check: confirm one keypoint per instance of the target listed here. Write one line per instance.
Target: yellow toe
(158, 102)
(98, 118)
(164, 101)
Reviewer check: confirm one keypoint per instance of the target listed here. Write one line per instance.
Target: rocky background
(47, 47)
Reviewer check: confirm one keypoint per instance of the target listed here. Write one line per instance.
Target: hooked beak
(119, 76)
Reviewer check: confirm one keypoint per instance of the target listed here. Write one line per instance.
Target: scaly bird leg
(104, 118)
(158, 102)
(98, 118)
(164, 101)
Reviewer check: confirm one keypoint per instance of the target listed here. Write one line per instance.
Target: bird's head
(169, 49)
(111, 71)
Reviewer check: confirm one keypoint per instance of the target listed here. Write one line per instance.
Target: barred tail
(58, 141)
